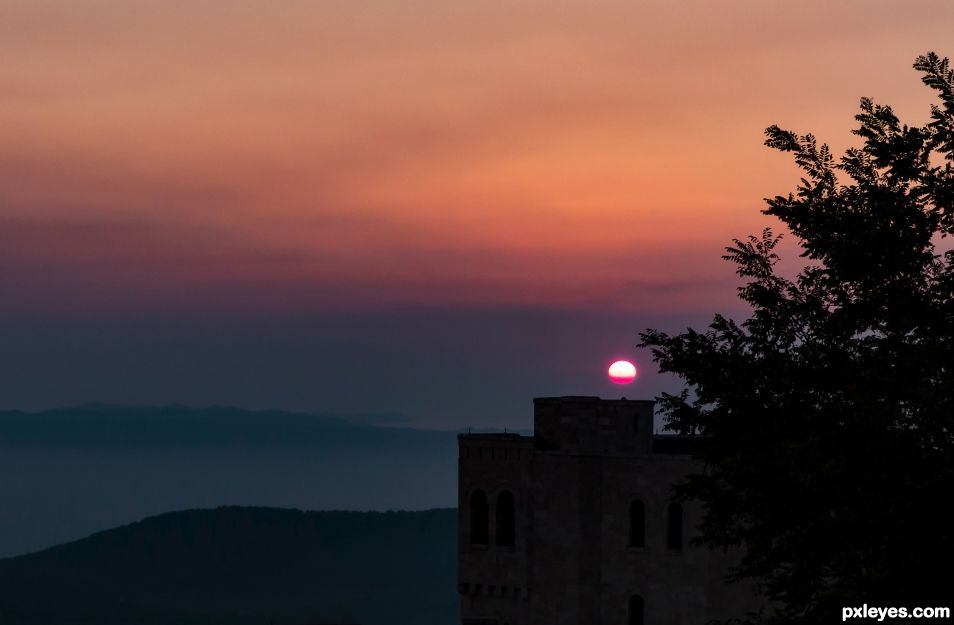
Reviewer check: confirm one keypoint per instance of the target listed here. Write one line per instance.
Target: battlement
(581, 424)
(585, 425)
(494, 446)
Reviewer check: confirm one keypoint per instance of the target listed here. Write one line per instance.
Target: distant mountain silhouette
(72, 471)
(174, 426)
(244, 566)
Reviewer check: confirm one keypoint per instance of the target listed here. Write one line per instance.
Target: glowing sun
(622, 372)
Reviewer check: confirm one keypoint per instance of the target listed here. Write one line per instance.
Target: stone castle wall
(572, 562)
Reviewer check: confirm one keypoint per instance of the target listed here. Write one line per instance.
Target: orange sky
(357, 155)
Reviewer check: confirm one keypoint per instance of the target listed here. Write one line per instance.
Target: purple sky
(435, 209)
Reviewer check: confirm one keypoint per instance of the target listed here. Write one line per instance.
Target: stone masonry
(574, 525)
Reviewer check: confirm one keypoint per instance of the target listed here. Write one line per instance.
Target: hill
(244, 566)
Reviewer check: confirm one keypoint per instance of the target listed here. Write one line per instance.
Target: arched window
(635, 610)
(637, 524)
(479, 518)
(674, 527)
(506, 519)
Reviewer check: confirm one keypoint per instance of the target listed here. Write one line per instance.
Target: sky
(432, 209)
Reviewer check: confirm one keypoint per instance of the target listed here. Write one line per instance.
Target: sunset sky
(438, 209)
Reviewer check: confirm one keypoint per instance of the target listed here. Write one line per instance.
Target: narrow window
(637, 524)
(674, 527)
(506, 519)
(635, 610)
(479, 518)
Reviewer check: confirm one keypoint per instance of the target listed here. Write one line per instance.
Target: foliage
(829, 410)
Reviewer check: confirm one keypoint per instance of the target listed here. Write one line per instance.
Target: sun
(622, 372)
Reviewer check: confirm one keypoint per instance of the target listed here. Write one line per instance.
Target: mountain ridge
(96, 424)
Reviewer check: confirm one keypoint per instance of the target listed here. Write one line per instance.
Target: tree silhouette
(829, 411)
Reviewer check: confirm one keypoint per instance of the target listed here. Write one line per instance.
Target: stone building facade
(574, 526)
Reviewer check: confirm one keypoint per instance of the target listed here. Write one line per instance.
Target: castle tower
(574, 525)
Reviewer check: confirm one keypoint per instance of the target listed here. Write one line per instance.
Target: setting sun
(622, 372)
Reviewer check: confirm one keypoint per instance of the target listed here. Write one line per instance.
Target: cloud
(352, 157)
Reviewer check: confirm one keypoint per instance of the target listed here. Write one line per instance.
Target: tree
(829, 411)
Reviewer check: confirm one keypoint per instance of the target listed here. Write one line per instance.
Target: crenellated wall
(593, 425)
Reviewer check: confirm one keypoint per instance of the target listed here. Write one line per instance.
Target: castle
(574, 525)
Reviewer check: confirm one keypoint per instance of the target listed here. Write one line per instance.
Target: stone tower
(574, 526)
